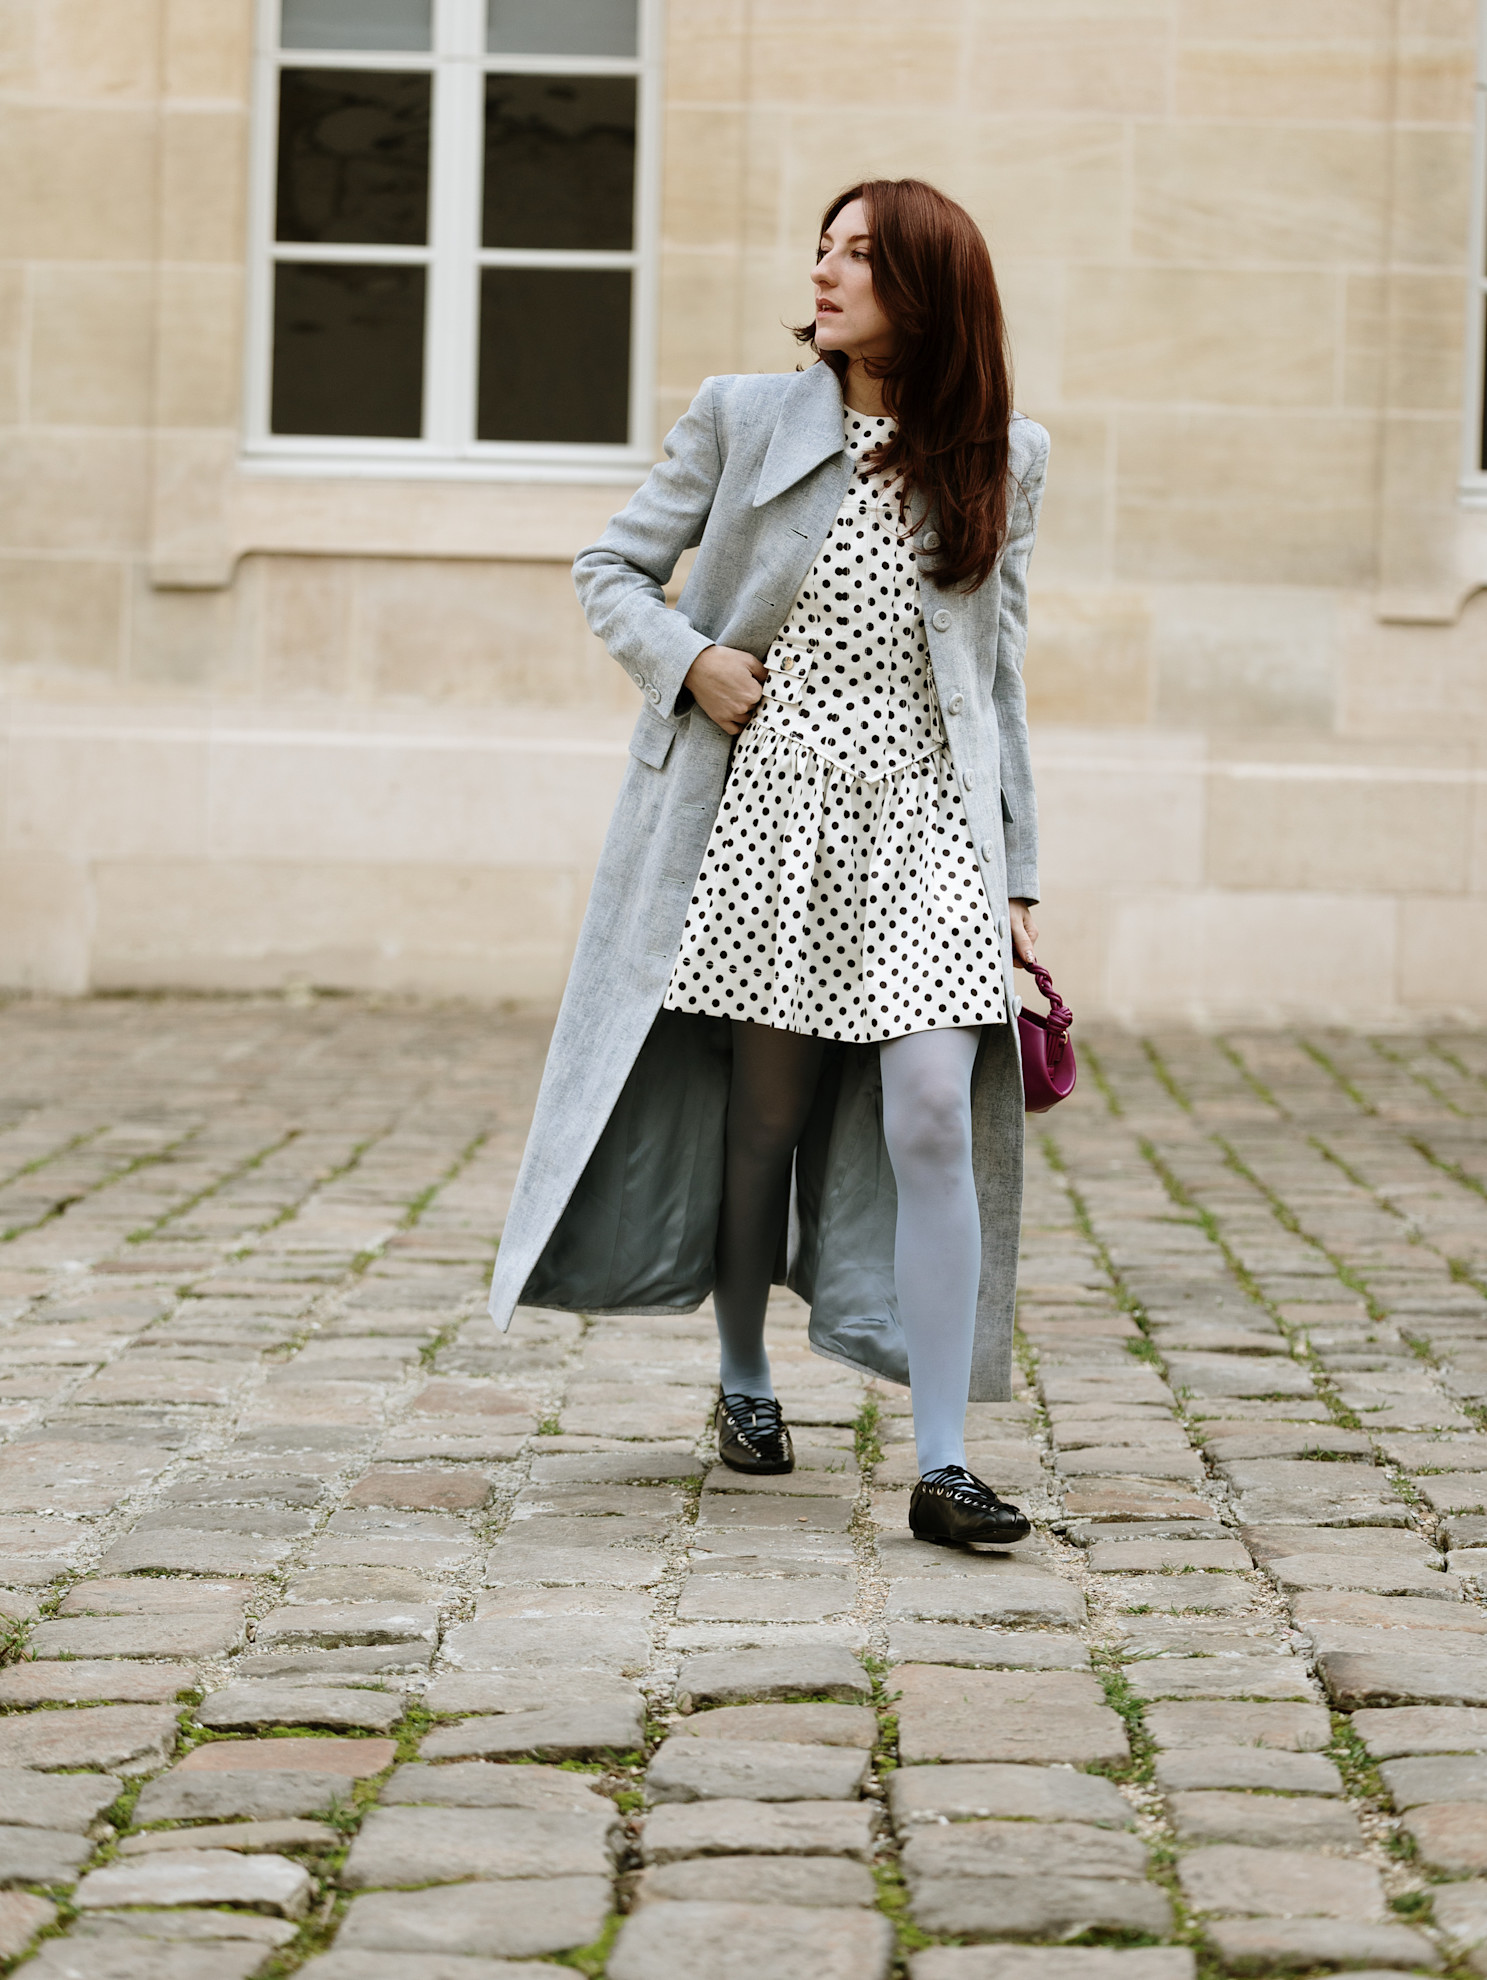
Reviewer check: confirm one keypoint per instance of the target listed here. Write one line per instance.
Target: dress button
(653, 695)
(932, 540)
(954, 705)
(941, 621)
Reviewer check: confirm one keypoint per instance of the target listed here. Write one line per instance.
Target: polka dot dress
(839, 895)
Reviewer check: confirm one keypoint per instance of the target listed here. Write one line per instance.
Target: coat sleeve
(1019, 798)
(621, 579)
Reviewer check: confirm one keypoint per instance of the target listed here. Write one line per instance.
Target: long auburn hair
(949, 381)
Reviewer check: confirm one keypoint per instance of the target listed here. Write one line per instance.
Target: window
(453, 222)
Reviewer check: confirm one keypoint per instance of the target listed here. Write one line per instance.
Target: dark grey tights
(937, 1239)
(774, 1080)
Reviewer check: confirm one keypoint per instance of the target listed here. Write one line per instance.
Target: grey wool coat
(616, 1204)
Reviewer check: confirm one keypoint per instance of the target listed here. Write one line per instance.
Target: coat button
(931, 539)
(969, 781)
(653, 695)
(988, 849)
(941, 621)
(954, 705)
(639, 679)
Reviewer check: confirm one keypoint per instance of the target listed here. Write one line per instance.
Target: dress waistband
(763, 736)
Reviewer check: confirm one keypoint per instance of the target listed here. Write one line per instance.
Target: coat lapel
(807, 432)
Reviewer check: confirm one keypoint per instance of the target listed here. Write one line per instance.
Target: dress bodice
(849, 673)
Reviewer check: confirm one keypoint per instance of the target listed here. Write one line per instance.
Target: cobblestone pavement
(347, 1636)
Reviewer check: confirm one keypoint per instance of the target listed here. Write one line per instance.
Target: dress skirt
(839, 907)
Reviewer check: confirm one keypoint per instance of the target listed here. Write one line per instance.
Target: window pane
(559, 162)
(353, 156)
(560, 27)
(400, 24)
(555, 355)
(348, 350)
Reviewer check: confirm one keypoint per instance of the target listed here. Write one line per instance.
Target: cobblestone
(259, 1446)
(1063, 1963)
(820, 1882)
(821, 1725)
(431, 1966)
(1039, 1907)
(750, 1770)
(1038, 1794)
(514, 1919)
(1269, 1882)
(1450, 1778)
(77, 1959)
(1272, 1820)
(1296, 1945)
(446, 1845)
(736, 1942)
(200, 1876)
(1449, 1836)
(40, 1856)
(1461, 1913)
(268, 1704)
(756, 1828)
(1041, 1716)
(250, 1836)
(1246, 1767)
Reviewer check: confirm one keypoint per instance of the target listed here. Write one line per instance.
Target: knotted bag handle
(1059, 1018)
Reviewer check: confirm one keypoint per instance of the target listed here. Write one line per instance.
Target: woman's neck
(862, 393)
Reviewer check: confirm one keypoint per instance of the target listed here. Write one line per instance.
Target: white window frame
(454, 258)
(1472, 490)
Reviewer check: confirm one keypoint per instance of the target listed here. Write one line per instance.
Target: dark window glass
(353, 156)
(555, 355)
(399, 24)
(559, 162)
(560, 27)
(348, 350)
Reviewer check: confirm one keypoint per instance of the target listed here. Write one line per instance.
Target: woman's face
(848, 316)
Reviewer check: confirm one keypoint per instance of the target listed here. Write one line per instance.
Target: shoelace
(757, 1419)
(965, 1487)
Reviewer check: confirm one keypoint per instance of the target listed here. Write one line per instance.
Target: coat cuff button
(653, 695)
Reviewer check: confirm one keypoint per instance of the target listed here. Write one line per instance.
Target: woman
(796, 958)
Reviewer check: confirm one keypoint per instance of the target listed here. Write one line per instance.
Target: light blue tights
(937, 1239)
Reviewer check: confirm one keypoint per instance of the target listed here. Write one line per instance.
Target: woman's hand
(1024, 933)
(726, 685)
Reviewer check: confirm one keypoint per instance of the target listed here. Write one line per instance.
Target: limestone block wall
(257, 729)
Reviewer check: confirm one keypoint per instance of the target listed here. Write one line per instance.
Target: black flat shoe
(954, 1508)
(752, 1436)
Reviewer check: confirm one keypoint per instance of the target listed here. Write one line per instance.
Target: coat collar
(808, 431)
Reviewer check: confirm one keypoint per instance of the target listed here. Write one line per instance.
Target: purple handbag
(1048, 1068)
